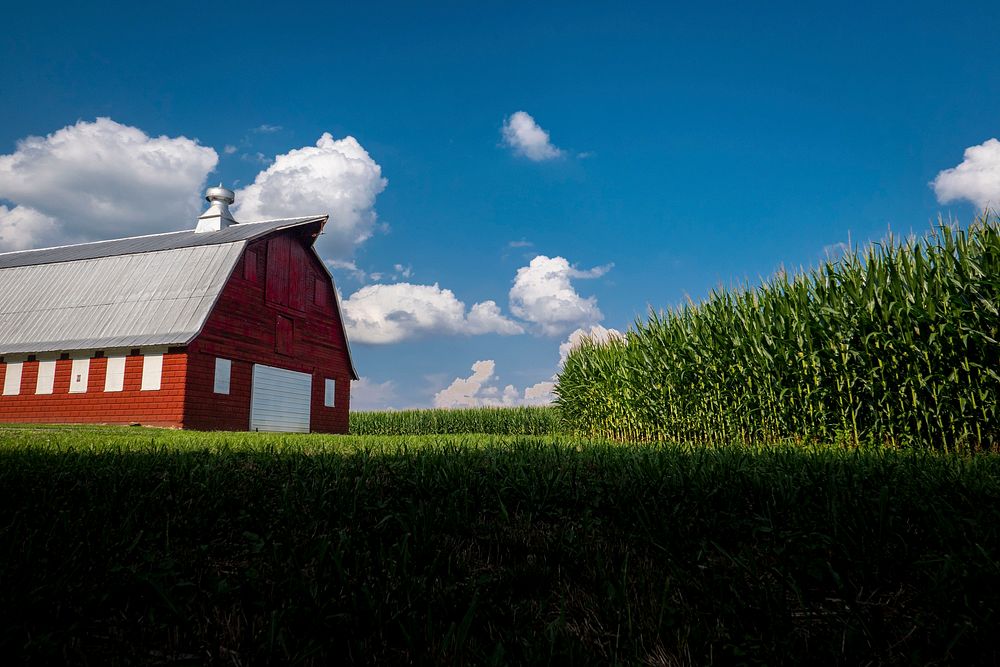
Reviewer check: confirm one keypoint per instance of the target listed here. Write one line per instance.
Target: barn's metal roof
(246, 231)
(133, 292)
(151, 298)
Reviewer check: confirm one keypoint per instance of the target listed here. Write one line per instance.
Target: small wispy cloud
(526, 138)
(835, 251)
(266, 129)
(256, 158)
(353, 271)
(348, 267)
(520, 244)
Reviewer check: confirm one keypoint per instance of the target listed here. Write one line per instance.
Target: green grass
(899, 344)
(496, 421)
(139, 546)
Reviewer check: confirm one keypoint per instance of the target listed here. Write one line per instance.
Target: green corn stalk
(896, 345)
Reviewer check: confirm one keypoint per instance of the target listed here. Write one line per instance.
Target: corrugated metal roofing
(246, 231)
(132, 292)
(152, 298)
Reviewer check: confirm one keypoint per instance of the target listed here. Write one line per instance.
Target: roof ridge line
(74, 245)
(303, 218)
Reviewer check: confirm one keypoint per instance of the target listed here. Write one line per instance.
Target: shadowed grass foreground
(140, 546)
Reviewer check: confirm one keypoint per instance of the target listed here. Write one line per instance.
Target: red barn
(231, 326)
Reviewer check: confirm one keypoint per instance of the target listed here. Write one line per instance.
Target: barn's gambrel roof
(133, 292)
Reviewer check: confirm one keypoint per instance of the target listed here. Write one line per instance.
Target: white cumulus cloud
(336, 176)
(543, 294)
(525, 137)
(483, 389)
(976, 179)
(22, 227)
(540, 393)
(101, 179)
(382, 314)
(477, 390)
(596, 334)
(486, 318)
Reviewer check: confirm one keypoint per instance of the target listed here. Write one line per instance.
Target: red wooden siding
(321, 295)
(276, 309)
(278, 251)
(250, 266)
(297, 268)
(285, 336)
(287, 266)
(244, 328)
(151, 408)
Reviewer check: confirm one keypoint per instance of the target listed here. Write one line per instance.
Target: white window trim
(330, 393)
(152, 371)
(223, 375)
(12, 378)
(81, 369)
(46, 380)
(114, 378)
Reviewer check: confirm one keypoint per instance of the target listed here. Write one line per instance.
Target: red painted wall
(284, 283)
(132, 405)
(250, 324)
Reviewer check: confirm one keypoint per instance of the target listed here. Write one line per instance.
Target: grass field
(145, 546)
(525, 420)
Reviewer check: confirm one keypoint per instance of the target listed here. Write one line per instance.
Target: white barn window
(79, 376)
(152, 371)
(223, 369)
(46, 376)
(115, 378)
(12, 379)
(330, 395)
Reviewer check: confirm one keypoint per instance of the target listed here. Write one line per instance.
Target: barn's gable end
(272, 293)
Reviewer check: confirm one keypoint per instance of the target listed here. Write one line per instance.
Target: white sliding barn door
(279, 400)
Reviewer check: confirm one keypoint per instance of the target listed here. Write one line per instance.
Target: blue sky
(688, 146)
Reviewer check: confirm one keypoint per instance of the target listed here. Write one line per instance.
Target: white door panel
(280, 400)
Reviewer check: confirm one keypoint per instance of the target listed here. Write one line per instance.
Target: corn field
(526, 420)
(895, 345)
